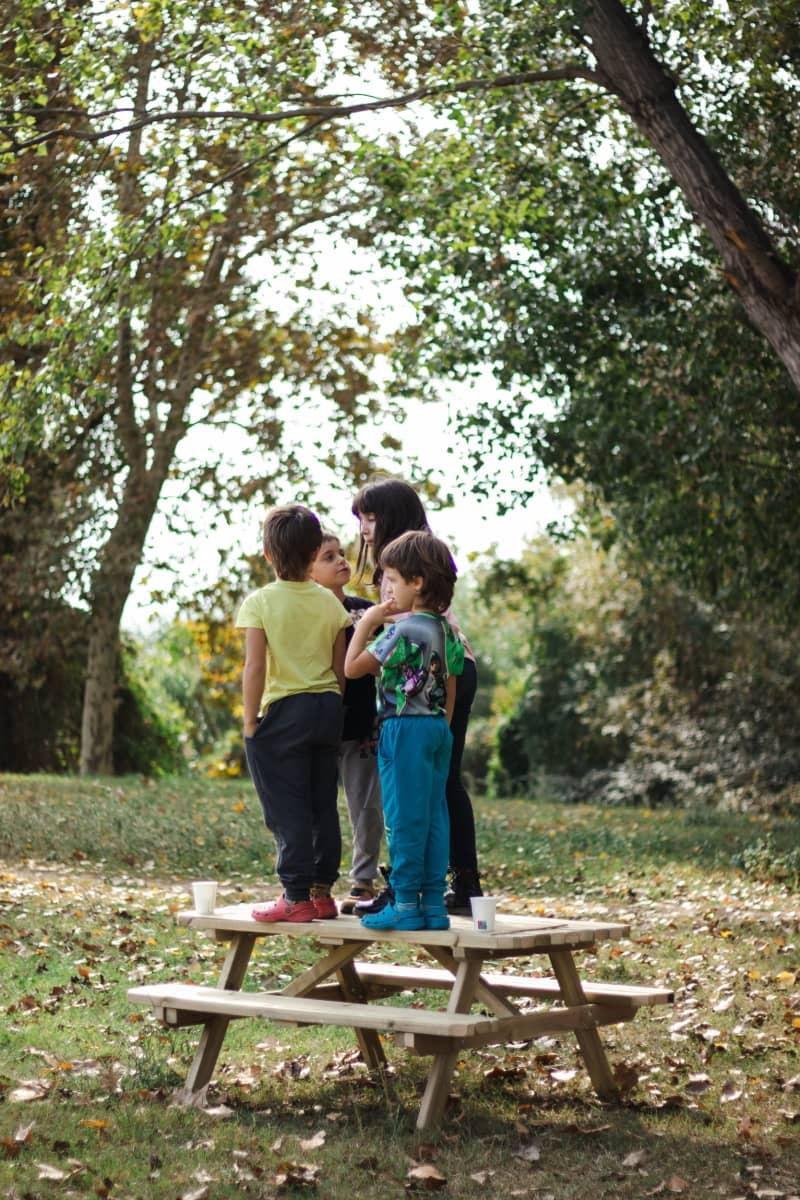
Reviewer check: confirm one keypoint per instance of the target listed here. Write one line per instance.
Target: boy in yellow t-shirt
(294, 676)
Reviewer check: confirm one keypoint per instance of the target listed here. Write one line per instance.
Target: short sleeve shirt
(301, 622)
(416, 654)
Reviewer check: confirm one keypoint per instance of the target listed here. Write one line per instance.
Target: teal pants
(413, 761)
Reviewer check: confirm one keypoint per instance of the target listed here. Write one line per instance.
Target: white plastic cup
(204, 896)
(484, 910)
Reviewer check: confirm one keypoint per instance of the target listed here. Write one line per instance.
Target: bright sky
(471, 526)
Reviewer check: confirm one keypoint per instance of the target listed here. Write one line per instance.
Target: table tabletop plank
(511, 932)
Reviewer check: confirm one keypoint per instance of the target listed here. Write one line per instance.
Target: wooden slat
(184, 997)
(512, 933)
(618, 994)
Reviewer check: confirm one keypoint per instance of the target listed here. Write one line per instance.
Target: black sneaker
(366, 908)
(463, 885)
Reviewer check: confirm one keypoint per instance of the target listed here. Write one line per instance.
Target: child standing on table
(294, 676)
(387, 507)
(358, 768)
(417, 658)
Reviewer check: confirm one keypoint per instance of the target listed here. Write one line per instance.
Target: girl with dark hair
(387, 507)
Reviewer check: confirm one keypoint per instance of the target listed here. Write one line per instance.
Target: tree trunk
(110, 589)
(766, 286)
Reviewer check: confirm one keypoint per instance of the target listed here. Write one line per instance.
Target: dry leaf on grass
(634, 1159)
(57, 1174)
(198, 1194)
(313, 1143)
(296, 1175)
(28, 1090)
(697, 1084)
(530, 1153)
(426, 1177)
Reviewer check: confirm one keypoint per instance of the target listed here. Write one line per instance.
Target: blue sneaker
(395, 916)
(436, 918)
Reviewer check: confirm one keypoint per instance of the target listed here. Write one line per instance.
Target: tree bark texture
(111, 585)
(765, 284)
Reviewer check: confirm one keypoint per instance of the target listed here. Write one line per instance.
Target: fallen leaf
(56, 1174)
(425, 1176)
(676, 1183)
(697, 1084)
(293, 1175)
(530, 1153)
(32, 1090)
(482, 1177)
(198, 1194)
(634, 1159)
(730, 1091)
(314, 1143)
(626, 1077)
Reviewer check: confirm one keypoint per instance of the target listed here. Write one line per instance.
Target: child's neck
(338, 592)
(420, 605)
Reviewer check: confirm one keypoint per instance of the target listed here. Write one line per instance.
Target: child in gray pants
(358, 768)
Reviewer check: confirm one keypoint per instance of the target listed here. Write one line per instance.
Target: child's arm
(359, 661)
(339, 650)
(450, 703)
(253, 677)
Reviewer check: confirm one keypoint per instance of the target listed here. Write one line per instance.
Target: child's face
(366, 525)
(330, 568)
(402, 592)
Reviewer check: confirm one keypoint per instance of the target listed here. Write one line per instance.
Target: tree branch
(323, 112)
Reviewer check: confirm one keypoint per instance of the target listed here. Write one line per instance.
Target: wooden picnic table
(338, 987)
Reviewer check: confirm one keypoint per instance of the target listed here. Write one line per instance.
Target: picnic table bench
(337, 990)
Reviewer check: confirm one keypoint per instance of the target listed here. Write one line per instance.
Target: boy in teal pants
(417, 658)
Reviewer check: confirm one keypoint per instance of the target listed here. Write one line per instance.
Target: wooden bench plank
(418, 1027)
(390, 975)
(184, 997)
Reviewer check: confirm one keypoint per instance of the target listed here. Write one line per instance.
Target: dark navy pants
(292, 758)
(463, 854)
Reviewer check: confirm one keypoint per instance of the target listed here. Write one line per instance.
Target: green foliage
(629, 691)
(762, 859)
(148, 733)
(541, 236)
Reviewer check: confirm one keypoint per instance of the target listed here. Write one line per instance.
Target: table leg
(588, 1039)
(369, 1042)
(483, 993)
(214, 1030)
(441, 1072)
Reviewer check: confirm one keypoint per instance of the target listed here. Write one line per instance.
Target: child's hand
(379, 614)
(250, 727)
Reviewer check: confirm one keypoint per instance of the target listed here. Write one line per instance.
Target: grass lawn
(92, 873)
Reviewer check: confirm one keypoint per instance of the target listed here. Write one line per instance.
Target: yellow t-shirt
(300, 622)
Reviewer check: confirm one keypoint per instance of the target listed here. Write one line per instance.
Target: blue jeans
(413, 760)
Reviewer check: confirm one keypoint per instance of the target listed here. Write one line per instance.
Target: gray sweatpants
(359, 775)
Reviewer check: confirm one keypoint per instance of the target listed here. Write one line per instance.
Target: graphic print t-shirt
(416, 655)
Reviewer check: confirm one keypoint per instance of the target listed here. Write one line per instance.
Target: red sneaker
(285, 910)
(324, 905)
